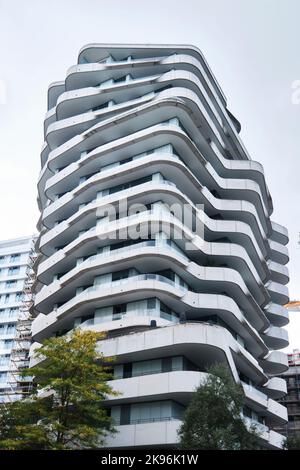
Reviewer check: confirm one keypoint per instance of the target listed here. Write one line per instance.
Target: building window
(117, 276)
(18, 296)
(3, 377)
(13, 271)
(151, 303)
(147, 412)
(12, 312)
(118, 309)
(15, 257)
(10, 329)
(153, 366)
(10, 284)
(4, 360)
(7, 329)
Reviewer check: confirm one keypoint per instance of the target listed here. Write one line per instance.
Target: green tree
(19, 428)
(65, 411)
(213, 421)
(292, 443)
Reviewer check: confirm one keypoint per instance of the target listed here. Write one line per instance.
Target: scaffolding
(292, 399)
(20, 385)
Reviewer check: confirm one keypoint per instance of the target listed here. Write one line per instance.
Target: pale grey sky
(252, 47)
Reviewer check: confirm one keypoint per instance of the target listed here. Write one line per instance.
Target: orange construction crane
(293, 305)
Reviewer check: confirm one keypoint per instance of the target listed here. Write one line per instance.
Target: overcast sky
(252, 47)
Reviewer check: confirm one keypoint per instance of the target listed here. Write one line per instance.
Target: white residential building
(14, 259)
(148, 125)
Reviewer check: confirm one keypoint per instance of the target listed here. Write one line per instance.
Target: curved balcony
(160, 433)
(275, 412)
(83, 143)
(212, 342)
(146, 255)
(232, 166)
(277, 314)
(175, 385)
(195, 253)
(71, 102)
(233, 187)
(76, 145)
(279, 273)
(58, 262)
(54, 90)
(134, 321)
(279, 294)
(67, 230)
(89, 74)
(146, 286)
(58, 132)
(276, 337)
(276, 387)
(279, 252)
(276, 362)
(254, 395)
(94, 53)
(168, 164)
(179, 385)
(275, 440)
(279, 233)
(165, 432)
(226, 115)
(239, 231)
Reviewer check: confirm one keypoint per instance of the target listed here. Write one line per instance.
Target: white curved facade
(135, 136)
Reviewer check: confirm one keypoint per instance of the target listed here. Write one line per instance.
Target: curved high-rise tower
(155, 227)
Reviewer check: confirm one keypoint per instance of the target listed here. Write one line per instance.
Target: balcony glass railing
(253, 389)
(111, 60)
(122, 190)
(132, 248)
(137, 185)
(9, 317)
(139, 277)
(82, 182)
(261, 428)
(124, 249)
(151, 313)
(153, 420)
(124, 80)
(149, 420)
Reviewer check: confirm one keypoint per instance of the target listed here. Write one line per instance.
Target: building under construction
(292, 399)
(16, 279)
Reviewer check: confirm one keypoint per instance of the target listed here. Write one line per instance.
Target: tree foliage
(213, 421)
(65, 411)
(292, 443)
